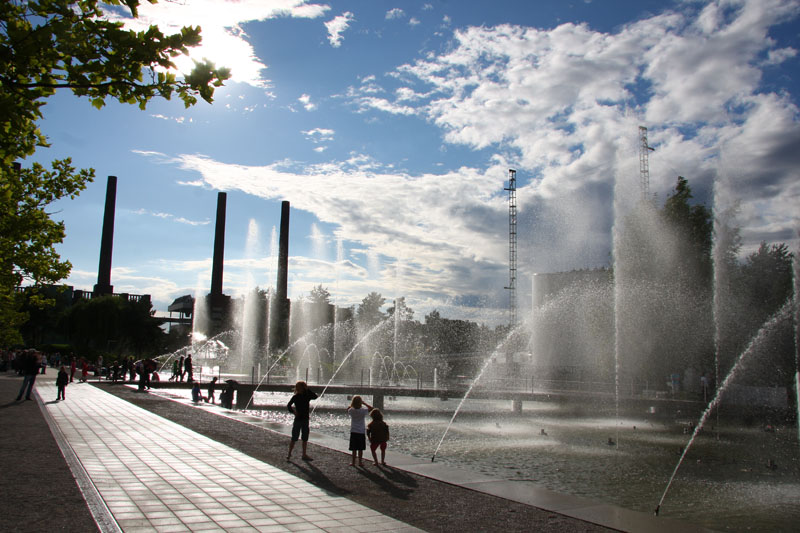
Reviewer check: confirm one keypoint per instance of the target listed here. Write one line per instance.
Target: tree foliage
(28, 236)
(46, 45)
(693, 227)
(369, 312)
(403, 312)
(114, 324)
(319, 296)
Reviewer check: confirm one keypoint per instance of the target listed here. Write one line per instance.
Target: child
(61, 383)
(358, 411)
(197, 396)
(378, 433)
(301, 399)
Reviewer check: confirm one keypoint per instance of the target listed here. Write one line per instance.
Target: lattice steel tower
(512, 245)
(644, 163)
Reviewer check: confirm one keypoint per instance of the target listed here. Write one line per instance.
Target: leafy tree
(319, 296)
(767, 277)
(114, 324)
(28, 237)
(692, 225)
(369, 312)
(403, 311)
(47, 45)
(663, 271)
(53, 44)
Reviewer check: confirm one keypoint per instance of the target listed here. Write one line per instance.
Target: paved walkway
(145, 473)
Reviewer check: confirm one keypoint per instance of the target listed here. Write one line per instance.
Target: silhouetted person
(61, 383)
(30, 368)
(301, 410)
(188, 366)
(197, 396)
(378, 434)
(212, 387)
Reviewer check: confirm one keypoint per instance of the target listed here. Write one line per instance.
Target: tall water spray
(350, 353)
(723, 261)
(498, 350)
(252, 302)
(762, 334)
(796, 330)
(200, 320)
(338, 271)
(272, 274)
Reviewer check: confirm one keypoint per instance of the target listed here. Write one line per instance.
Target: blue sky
(391, 126)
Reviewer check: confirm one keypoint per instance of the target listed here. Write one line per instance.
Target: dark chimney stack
(107, 243)
(219, 246)
(283, 304)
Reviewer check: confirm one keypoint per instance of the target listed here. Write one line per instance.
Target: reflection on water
(724, 484)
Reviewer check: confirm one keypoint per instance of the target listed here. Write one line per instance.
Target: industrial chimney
(103, 285)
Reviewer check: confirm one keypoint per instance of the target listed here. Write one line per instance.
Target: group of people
(377, 431)
(181, 368)
(197, 395)
(29, 363)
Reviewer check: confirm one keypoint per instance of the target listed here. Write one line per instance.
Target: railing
(88, 295)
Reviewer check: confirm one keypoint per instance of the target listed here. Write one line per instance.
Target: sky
(391, 127)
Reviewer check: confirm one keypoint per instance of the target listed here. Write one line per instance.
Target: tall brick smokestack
(103, 285)
(283, 304)
(283, 253)
(219, 246)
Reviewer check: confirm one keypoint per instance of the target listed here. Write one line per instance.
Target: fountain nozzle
(658, 508)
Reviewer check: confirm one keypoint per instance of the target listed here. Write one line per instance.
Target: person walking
(84, 370)
(299, 406)
(212, 387)
(378, 434)
(188, 365)
(174, 376)
(180, 369)
(358, 411)
(61, 383)
(30, 368)
(72, 368)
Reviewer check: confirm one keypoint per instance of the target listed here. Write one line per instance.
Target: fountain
(616, 360)
(390, 371)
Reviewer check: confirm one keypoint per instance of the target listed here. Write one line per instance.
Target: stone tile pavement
(141, 472)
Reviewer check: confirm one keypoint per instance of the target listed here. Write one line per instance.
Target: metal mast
(644, 162)
(512, 245)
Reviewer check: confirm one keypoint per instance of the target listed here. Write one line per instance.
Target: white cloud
(414, 21)
(170, 216)
(563, 106)
(565, 103)
(337, 26)
(224, 41)
(318, 135)
(179, 120)
(395, 13)
(442, 227)
(776, 57)
(307, 103)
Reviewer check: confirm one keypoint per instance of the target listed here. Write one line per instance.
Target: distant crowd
(29, 363)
